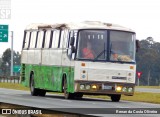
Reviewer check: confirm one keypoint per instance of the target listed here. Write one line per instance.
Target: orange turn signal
(83, 64)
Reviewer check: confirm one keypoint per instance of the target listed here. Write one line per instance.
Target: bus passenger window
(27, 40)
(47, 39)
(55, 38)
(40, 39)
(62, 38)
(33, 39)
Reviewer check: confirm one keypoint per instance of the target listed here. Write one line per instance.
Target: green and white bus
(52, 59)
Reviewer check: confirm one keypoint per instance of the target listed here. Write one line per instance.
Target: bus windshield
(122, 46)
(93, 45)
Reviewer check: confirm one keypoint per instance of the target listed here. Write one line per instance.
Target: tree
(6, 61)
(0, 65)
(148, 61)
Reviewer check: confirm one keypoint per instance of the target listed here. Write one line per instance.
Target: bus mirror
(72, 41)
(137, 45)
(73, 49)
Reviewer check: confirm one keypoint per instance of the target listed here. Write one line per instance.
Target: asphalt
(85, 106)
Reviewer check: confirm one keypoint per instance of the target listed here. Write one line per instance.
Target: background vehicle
(52, 59)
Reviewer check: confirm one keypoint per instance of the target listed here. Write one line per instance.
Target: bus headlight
(124, 89)
(118, 88)
(81, 87)
(130, 89)
(88, 87)
(94, 87)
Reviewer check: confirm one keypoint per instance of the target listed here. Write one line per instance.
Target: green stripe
(48, 77)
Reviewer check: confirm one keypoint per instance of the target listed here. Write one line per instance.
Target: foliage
(148, 62)
(5, 63)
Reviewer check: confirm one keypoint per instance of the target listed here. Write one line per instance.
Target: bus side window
(65, 38)
(26, 42)
(51, 39)
(55, 38)
(36, 39)
(47, 39)
(24, 37)
(33, 39)
(40, 39)
(61, 39)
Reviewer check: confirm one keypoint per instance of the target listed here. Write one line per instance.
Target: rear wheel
(41, 92)
(115, 98)
(34, 91)
(67, 95)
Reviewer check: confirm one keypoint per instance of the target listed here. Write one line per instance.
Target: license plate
(106, 87)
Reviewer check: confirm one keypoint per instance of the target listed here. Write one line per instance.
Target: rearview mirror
(73, 49)
(72, 41)
(137, 45)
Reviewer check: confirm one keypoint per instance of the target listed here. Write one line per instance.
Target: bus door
(68, 55)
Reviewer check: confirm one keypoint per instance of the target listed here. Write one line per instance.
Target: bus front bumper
(106, 88)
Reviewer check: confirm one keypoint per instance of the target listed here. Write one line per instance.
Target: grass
(13, 86)
(143, 97)
(138, 96)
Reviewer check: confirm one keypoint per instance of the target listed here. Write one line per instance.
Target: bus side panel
(47, 77)
(38, 80)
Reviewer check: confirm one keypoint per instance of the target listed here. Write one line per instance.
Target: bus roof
(81, 25)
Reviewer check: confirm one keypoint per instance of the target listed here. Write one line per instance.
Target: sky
(140, 15)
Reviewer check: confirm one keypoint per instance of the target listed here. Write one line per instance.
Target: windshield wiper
(99, 55)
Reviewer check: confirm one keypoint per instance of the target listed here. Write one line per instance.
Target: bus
(52, 59)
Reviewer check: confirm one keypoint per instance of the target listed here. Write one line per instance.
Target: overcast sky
(140, 15)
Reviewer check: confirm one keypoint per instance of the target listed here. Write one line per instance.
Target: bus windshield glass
(97, 45)
(92, 44)
(122, 46)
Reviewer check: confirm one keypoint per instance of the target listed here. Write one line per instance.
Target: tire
(67, 95)
(115, 98)
(34, 91)
(42, 92)
(78, 95)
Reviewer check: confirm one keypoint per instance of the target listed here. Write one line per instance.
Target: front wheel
(67, 95)
(79, 95)
(115, 98)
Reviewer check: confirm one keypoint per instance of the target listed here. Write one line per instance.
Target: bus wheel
(115, 98)
(42, 92)
(67, 95)
(34, 91)
(79, 95)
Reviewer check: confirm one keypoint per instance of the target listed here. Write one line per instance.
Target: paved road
(150, 90)
(96, 107)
